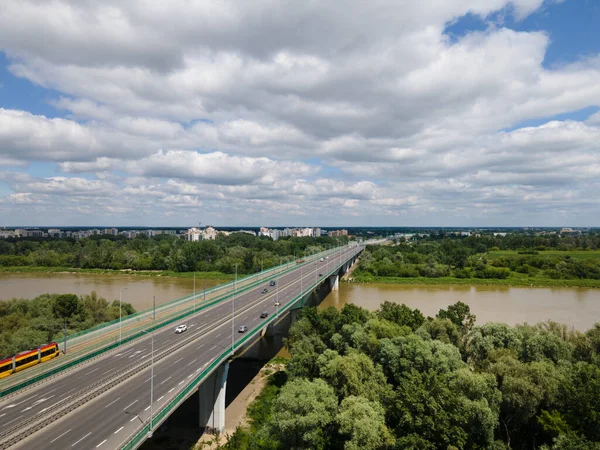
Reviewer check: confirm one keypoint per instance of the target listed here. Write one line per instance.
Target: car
(181, 328)
(272, 283)
(242, 329)
(277, 303)
(320, 274)
(321, 260)
(264, 315)
(265, 290)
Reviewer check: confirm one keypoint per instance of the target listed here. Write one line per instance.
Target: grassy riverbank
(449, 281)
(146, 273)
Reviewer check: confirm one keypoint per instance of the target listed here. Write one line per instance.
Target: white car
(181, 329)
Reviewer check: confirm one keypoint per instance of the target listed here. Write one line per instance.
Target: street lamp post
(121, 311)
(233, 311)
(194, 291)
(151, 382)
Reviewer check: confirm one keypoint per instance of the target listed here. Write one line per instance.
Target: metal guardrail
(105, 346)
(135, 439)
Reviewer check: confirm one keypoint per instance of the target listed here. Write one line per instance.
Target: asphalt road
(108, 420)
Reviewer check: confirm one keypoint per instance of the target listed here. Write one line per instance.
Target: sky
(300, 113)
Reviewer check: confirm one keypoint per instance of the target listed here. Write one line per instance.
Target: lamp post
(194, 291)
(151, 382)
(233, 311)
(121, 311)
(277, 295)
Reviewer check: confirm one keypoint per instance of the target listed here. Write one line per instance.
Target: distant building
(193, 234)
(337, 233)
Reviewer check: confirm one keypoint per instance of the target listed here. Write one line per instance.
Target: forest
(516, 257)
(394, 379)
(27, 324)
(160, 253)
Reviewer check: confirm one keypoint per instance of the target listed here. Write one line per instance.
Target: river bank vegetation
(516, 260)
(27, 324)
(393, 379)
(161, 254)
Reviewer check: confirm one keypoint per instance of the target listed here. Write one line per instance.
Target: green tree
(303, 414)
(362, 424)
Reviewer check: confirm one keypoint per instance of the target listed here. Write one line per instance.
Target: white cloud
(367, 109)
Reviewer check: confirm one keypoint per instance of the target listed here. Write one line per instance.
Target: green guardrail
(135, 335)
(141, 434)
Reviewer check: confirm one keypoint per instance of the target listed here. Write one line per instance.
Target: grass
(150, 273)
(575, 254)
(516, 281)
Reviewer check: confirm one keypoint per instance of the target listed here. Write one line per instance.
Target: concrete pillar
(334, 282)
(212, 400)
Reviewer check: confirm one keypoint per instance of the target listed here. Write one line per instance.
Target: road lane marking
(162, 382)
(212, 348)
(133, 419)
(130, 405)
(180, 383)
(81, 439)
(2, 415)
(171, 390)
(159, 399)
(101, 443)
(118, 430)
(192, 362)
(113, 402)
(109, 370)
(14, 419)
(200, 346)
(147, 408)
(177, 360)
(54, 404)
(87, 373)
(57, 438)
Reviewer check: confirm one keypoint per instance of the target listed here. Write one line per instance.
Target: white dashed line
(133, 419)
(113, 402)
(177, 360)
(57, 438)
(170, 390)
(87, 373)
(118, 430)
(160, 399)
(130, 405)
(192, 362)
(81, 439)
(180, 383)
(101, 443)
(162, 382)
(147, 408)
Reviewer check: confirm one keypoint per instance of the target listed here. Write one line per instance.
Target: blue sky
(376, 116)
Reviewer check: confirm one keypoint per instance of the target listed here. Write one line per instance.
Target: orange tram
(28, 358)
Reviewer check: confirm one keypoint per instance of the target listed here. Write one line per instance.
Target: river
(576, 307)
(137, 290)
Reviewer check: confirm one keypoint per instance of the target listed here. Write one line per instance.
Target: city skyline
(433, 114)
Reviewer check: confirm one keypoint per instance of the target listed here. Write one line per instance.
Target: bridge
(117, 394)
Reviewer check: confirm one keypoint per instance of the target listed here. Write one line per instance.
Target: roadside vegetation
(516, 260)
(393, 379)
(165, 255)
(27, 324)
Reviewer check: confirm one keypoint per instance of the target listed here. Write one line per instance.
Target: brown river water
(576, 307)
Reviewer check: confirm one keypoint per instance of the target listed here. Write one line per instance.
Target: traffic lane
(142, 353)
(121, 413)
(96, 370)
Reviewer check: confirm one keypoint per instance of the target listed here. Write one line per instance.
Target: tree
(460, 315)
(362, 423)
(401, 314)
(65, 306)
(303, 414)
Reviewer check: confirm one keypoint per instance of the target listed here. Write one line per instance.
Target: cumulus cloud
(370, 110)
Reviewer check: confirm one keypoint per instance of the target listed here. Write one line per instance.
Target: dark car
(272, 283)
(265, 290)
(320, 274)
(264, 315)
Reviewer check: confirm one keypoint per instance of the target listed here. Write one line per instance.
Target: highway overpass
(106, 402)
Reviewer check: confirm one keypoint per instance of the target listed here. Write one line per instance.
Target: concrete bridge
(118, 397)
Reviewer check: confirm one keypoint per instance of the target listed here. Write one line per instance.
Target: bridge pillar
(334, 282)
(212, 400)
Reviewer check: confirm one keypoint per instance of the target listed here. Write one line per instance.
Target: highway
(106, 421)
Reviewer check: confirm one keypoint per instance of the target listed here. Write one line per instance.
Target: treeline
(27, 324)
(394, 379)
(250, 253)
(455, 258)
